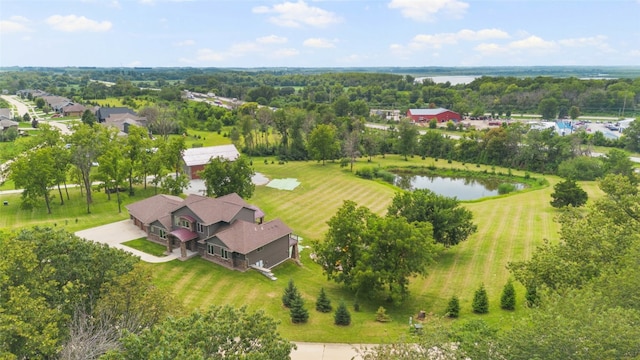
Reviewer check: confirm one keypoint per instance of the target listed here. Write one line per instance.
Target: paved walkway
(319, 351)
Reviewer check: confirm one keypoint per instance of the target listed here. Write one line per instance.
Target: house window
(224, 253)
(162, 234)
(211, 249)
(200, 227)
(185, 224)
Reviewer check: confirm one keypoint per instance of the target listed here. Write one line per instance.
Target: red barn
(196, 158)
(425, 115)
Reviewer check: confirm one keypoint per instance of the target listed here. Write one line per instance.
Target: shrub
(381, 315)
(506, 188)
(365, 173)
(342, 316)
(508, 297)
(532, 297)
(387, 176)
(453, 308)
(323, 304)
(480, 301)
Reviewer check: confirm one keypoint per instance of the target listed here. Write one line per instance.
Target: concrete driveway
(116, 233)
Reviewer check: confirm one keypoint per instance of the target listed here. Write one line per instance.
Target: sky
(319, 33)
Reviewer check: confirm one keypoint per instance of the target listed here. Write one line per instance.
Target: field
(509, 229)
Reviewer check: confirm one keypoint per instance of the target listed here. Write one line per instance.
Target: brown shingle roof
(212, 211)
(244, 237)
(154, 208)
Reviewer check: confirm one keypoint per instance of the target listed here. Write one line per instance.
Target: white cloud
(436, 41)
(290, 14)
(635, 53)
(426, 10)
(599, 42)
(271, 39)
(532, 43)
(185, 43)
(490, 48)
(147, 2)
(71, 23)
(15, 24)
(319, 43)
(134, 63)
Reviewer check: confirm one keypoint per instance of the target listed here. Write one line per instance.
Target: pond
(461, 188)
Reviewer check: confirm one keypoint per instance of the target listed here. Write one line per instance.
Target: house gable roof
(6, 113)
(157, 207)
(104, 112)
(215, 210)
(5, 123)
(202, 155)
(244, 237)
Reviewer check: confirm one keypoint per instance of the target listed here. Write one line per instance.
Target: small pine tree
(381, 315)
(290, 293)
(323, 304)
(532, 296)
(508, 297)
(298, 313)
(480, 301)
(342, 315)
(453, 308)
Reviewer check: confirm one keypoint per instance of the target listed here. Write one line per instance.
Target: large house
(104, 112)
(439, 114)
(224, 230)
(196, 158)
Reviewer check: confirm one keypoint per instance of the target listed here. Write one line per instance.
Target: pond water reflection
(461, 188)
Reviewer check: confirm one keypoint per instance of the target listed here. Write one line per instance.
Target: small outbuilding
(196, 158)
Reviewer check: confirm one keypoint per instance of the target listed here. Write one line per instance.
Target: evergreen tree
(290, 293)
(480, 301)
(508, 298)
(323, 304)
(298, 313)
(453, 308)
(342, 315)
(382, 316)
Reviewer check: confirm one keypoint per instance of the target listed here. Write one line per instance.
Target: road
(21, 108)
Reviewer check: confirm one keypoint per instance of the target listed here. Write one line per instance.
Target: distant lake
(461, 188)
(454, 79)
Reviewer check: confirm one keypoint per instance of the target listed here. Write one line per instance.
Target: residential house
(123, 121)
(196, 158)
(104, 112)
(73, 110)
(224, 230)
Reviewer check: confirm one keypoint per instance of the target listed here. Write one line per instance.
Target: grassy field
(72, 215)
(509, 229)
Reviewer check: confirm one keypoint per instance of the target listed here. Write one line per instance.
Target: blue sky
(308, 33)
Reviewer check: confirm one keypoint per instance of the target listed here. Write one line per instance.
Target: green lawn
(72, 215)
(509, 229)
(146, 246)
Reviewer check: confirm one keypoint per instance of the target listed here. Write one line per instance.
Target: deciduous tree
(451, 222)
(323, 144)
(222, 176)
